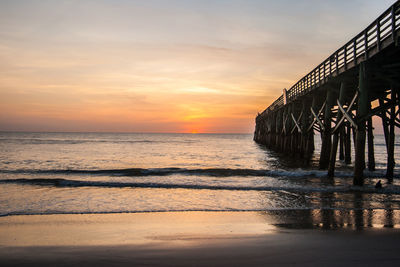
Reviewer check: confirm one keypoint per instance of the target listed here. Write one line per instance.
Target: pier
(338, 99)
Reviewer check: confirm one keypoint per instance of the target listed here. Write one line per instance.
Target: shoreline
(188, 238)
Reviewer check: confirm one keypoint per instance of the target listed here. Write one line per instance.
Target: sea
(84, 173)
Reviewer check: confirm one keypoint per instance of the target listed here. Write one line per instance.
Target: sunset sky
(162, 66)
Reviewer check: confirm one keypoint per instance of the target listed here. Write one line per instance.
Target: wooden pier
(338, 99)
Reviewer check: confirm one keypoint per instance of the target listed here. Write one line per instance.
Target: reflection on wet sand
(358, 213)
(389, 213)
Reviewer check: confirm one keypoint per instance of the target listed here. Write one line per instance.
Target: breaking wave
(290, 188)
(216, 172)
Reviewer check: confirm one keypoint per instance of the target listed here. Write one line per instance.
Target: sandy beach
(188, 239)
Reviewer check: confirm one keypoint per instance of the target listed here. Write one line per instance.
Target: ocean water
(62, 173)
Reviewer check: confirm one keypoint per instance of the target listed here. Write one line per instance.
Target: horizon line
(22, 131)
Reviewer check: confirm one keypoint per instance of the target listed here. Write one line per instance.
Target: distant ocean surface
(57, 173)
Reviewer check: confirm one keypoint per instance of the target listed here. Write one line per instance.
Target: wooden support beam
(347, 116)
(303, 124)
(267, 131)
(333, 152)
(309, 142)
(341, 143)
(273, 130)
(326, 133)
(285, 139)
(347, 111)
(293, 135)
(381, 109)
(384, 123)
(362, 110)
(285, 118)
(296, 122)
(347, 144)
(390, 145)
(278, 130)
(316, 118)
(371, 153)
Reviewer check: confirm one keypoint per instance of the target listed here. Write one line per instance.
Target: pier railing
(364, 45)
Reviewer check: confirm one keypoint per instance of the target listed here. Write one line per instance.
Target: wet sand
(191, 239)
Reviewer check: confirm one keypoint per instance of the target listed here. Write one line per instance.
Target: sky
(162, 66)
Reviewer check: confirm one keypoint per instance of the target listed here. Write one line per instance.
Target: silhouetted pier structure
(338, 99)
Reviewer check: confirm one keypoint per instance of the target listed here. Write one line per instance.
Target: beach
(189, 239)
(113, 199)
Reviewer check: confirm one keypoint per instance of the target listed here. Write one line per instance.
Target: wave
(39, 141)
(73, 142)
(302, 189)
(282, 209)
(216, 172)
